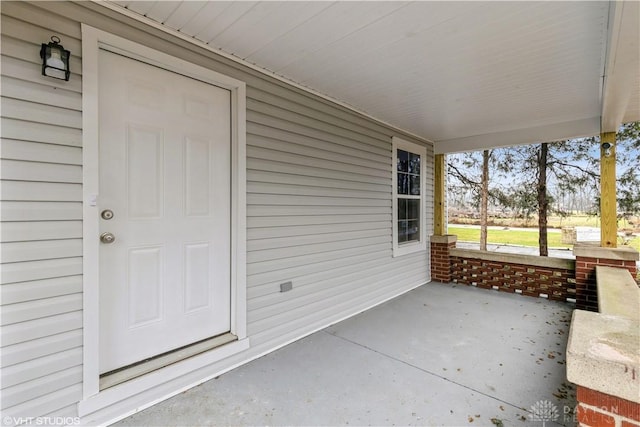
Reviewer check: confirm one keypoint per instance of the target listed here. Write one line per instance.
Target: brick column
(600, 409)
(440, 257)
(587, 257)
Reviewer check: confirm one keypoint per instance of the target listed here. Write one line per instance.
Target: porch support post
(441, 243)
(439, 216)
(608, 211)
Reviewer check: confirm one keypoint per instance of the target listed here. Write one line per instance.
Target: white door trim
(92, 41)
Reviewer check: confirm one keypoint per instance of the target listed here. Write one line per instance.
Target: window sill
(409, 248)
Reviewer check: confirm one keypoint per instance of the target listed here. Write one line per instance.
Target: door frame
(93, 40)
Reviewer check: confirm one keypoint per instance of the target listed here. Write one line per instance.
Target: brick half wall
(535, 276)
(587, 258)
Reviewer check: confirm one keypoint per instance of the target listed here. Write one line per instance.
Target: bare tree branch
(461, 176)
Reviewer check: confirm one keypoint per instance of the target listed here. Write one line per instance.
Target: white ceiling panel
(214, 17)
(162, 10)
(452, 72)
(342, 43)
(267, 21)
(225, 21)
(141, 7)
(327, 28)
(182, 14)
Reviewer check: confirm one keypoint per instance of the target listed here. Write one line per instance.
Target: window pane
(409, 203)
(402, 231)
(403, 183)
(413, 209)
(413, 231)
(414, 185)
(403, 161)
(402, 208)
(414, 163)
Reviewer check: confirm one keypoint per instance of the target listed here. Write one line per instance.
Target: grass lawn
(511, 237)
(514, 236)
(635, 243)
(553, 221)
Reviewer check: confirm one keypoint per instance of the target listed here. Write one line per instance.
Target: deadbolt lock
(106, 214)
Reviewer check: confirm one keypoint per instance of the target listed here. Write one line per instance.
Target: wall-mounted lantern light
(607, 146)
(55, 59)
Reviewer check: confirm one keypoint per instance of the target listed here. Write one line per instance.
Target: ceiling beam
(546, 133)
(622, 63)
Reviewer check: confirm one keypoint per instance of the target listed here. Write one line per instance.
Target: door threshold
(130, 372)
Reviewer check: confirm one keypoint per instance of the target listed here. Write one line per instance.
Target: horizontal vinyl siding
(319, 208)
(41, 228)
(319, 211)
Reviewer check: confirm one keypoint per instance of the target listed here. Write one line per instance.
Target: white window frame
(94, 399)
(421, 245)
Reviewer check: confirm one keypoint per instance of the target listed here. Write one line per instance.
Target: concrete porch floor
(441, 354)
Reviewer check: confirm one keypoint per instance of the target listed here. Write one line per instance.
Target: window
(409, 171)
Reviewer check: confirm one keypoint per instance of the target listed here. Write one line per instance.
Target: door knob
(107, 238)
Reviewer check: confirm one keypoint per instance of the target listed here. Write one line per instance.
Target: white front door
(164, 173)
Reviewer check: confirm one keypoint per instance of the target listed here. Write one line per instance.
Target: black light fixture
(55, 59)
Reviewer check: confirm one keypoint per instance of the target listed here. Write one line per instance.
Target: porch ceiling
(467, 75)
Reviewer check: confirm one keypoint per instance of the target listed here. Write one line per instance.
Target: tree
(627, 162)
(559, 163)
(543, 199)
(569, 169)
(469, 175)
(484, 199)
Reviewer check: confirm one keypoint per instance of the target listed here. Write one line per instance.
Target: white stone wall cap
(618, 292)
(523, 259)
(603, 354)
(624, 253)
(445, 238)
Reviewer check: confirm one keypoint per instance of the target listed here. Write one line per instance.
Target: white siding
(41, 211)
(319, 214)
(318, 211)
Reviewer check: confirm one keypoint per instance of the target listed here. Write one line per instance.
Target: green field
(513, 236)
(553, 221)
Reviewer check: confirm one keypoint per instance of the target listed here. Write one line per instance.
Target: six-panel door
(165, 175)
